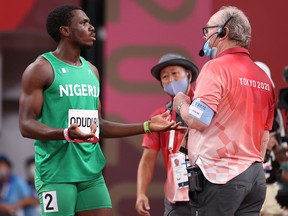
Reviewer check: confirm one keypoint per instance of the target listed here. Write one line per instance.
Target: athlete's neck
(68, 55)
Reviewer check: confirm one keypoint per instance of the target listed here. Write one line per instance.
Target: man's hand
(8, 208)
(160, 123)
(180, 98)
(272, 143)
(76, 134)
(142, 205)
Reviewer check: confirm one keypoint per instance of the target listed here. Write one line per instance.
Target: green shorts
(65, 199)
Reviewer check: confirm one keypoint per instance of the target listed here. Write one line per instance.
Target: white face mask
(177, 86)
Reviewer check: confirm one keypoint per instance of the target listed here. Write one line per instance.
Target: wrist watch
(179, 107)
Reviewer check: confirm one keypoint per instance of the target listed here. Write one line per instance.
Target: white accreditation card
(84, 119)
(179, 165)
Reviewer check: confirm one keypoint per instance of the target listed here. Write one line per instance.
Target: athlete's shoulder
(94, 68)
(40, 63)
(38, 71)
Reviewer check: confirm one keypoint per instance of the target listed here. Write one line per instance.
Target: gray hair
(239, 25)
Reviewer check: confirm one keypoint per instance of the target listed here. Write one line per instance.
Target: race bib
(50, 203)
(84, 119)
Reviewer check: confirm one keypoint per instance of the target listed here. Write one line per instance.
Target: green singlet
(69, 175)
(72, 97)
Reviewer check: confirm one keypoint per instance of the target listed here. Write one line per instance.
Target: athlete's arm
(36, 78)
(109, 129)
(144, 176)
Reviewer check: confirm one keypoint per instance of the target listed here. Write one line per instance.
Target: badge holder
(179, 165)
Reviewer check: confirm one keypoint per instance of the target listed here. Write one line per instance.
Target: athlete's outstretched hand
(161, 123)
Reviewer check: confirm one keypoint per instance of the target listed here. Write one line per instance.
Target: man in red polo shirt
(229, 121)
(175, 74)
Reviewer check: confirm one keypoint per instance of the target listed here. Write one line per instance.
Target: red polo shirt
(159, 141)
(242, 97)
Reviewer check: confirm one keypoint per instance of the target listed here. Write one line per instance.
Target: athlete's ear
(64, 30)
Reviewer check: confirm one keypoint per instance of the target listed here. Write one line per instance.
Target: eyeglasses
(205, 29)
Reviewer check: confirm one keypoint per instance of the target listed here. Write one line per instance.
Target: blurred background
(131, 36)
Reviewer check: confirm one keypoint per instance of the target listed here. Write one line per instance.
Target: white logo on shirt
(64, 70)
(84, 90)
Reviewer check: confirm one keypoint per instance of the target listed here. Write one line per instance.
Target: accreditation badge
(179, 165)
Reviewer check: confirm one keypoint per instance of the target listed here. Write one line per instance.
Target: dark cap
(171, 59)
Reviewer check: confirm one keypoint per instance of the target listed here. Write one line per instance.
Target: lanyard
(171, 141)
(172, 134)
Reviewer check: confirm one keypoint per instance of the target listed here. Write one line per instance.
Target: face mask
(177, 86)
(210, 52)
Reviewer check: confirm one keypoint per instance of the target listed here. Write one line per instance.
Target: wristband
(90, 140)
(146, 127)
(66, 135)
(179, 107)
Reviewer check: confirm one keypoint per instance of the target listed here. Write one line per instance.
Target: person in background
(34, 208)
(229, 120)
(175, 74)
(60, 108)
(271, 166)
(282, 193)
(14, 191)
